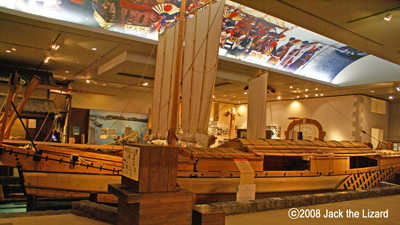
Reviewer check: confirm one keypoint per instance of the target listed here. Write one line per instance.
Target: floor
(389, 203)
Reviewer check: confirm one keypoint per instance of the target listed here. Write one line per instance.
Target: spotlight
(145, 84)
(47, 59)
(398, 88)
(388, 17)
(87, 81)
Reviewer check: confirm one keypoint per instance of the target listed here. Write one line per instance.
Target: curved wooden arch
(321, 132)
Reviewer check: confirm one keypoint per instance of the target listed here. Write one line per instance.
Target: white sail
(200, 59)
(199, 72)
(257, 109)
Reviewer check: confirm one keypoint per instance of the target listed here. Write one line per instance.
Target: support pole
(29, 90)
(177, 79)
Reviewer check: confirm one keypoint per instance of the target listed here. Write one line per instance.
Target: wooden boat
(280, 166)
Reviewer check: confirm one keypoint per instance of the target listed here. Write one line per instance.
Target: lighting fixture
(47, 59)
(388, 17)
(316, 89)
(291, 87)
(55, 47)
(372, 91)
(67, 71)
(245, 92)
(279, 97)
(8, 51)
(306, 96)
(321, 95)
(234, 96)
(213, 96)
(145, 84)
(94, 49)
(398, 88)
(391, 97)
(14, 49)
(104, 84)
(316, 95)
(297, 96)
(87, 81)
(306, 90)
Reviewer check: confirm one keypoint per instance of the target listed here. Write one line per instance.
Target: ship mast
(172, 140)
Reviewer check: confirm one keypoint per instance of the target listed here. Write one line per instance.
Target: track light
(388, 17)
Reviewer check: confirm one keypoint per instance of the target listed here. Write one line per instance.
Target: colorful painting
(106, 126)
(247, 34)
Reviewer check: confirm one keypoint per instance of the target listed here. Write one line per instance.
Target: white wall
(136, 102)
(371, 120)
(394, 121)
(337, 124)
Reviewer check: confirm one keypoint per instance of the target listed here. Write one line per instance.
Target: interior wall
(394, 121)
(334, 113)
(135, 102)
(371, 120)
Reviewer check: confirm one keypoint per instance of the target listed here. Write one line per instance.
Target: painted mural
(106, 126)
(247, 34)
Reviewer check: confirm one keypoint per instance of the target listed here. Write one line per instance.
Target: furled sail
(200, 58)
(257, 109)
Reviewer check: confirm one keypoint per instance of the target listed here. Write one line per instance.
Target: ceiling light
(8, 51)
(306, 90)
(87, 81)
(47, 59)
(94, 49)
(67, 71)
(306, 96)
(104, 84)
(316, 95)
(372, 91)
(291, 87)
(234, 96)
(398, 88)
(55, 47)
(388, 17)
(391, 97)
(279, 97)
(298, 96)
(245, 92)
(321, 95)
(213, 96)
(316, 89)
(14, 49)
(145, 84)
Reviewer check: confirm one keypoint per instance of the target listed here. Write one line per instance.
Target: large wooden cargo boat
(280, 166)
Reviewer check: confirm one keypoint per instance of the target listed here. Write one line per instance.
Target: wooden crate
(156, 169)
(153, 208)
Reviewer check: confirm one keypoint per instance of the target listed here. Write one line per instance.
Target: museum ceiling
(356, 51)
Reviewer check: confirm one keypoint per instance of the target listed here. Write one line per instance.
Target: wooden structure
(152, 196)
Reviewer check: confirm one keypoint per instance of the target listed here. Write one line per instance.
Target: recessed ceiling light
(316, 89)
(291, 87)
(87, 81)
(372, 91)
(297, 96)
(104, 84)
(234, 96)
(306, 96)
(213, 96)
(14, 49)
(8, 51)
(67, 71)
(55, 47)
(245, 92)
(145, 84)
(398, 88)
(316, 95)
(321, 95)
(279, 97)
(47, 59)
(391, 97)
(306, 90)
(94, 49)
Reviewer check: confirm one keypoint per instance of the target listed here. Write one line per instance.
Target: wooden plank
(155, 161)
(164, 169)
(173, 169)
(144, 169)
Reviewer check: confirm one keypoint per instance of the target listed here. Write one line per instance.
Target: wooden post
(28, 92)
(177, 80)
(5, 115)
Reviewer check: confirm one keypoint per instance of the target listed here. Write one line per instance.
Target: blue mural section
(247, 34)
